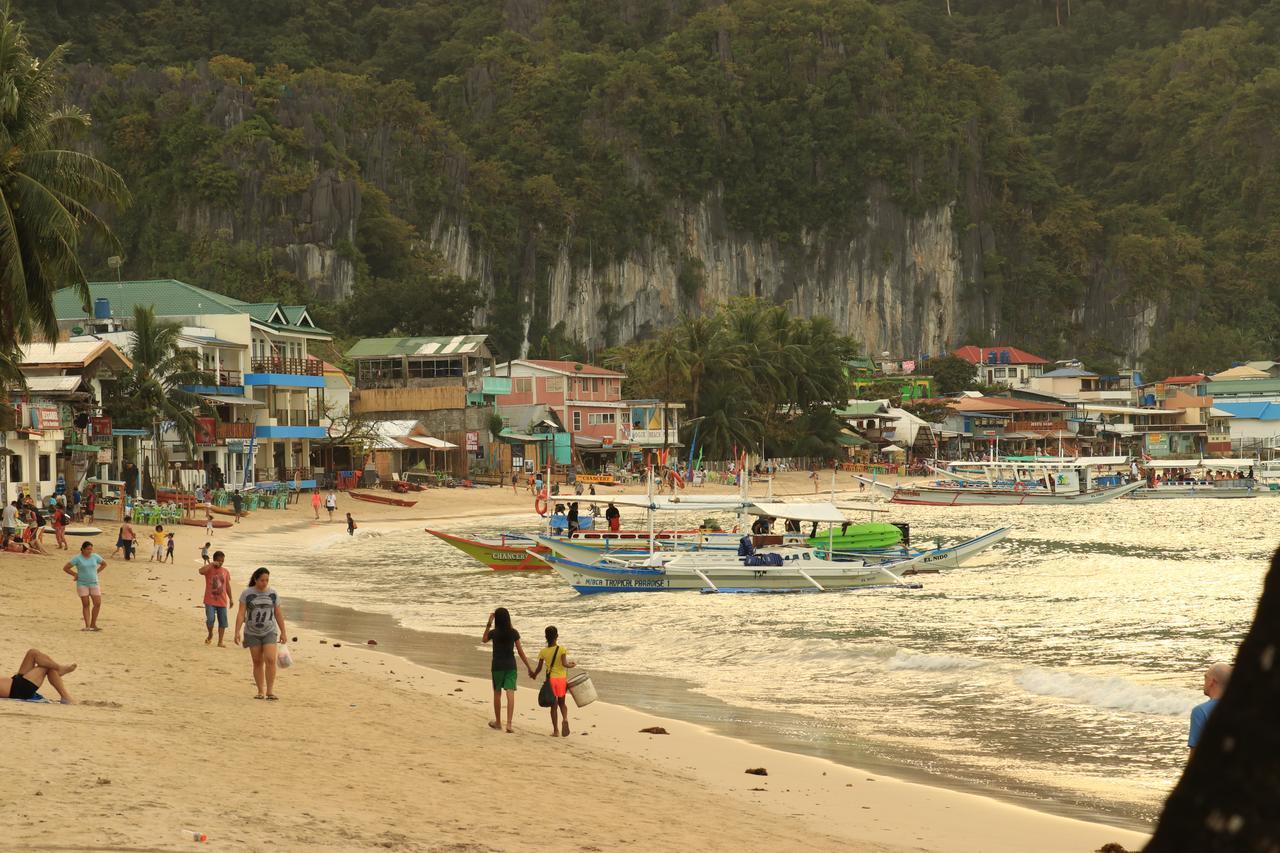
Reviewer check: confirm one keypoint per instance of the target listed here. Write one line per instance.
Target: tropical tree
(151, 393)
(46, 190)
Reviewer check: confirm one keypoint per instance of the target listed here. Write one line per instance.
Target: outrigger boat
(1191, 479)
(1078, 481)
(793, 570)
(381, 499)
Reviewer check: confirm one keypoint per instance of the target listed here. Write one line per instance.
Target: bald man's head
(1215, 679)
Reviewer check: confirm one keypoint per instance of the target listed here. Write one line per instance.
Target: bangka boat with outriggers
(1198, 478)
(782, 569)
(1082, 482)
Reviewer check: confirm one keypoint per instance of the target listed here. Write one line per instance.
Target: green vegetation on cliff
(1111, 165)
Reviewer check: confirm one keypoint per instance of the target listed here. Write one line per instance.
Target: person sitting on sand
(259, 616)
(84, 567)
(556, 658)
(506, 645)
(36, 666)
(31, 536)
(217, 595)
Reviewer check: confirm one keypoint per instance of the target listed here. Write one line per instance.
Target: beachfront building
(52, 430)
(1237, 385)
(1255, 427)
(990, 427)
(447, 385)
(1002, 365)
(1169, 431)
(265, 395)
(582, 400)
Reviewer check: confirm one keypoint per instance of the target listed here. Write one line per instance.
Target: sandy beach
(369, 751)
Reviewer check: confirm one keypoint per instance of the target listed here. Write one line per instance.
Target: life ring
(540, 503)
(677, 481)
(1019, 486)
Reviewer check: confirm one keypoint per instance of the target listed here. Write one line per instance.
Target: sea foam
(932, 663)
(1114, 693)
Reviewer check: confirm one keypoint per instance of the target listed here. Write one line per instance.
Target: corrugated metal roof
(70, 353)
(386, 347)
(53, 384)
(1250, 411)
(978, 355)
(1068, 373)
(168, 298)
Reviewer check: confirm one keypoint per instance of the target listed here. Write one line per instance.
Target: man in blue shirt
(1215, 682)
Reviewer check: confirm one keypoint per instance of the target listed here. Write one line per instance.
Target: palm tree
(46, 189)
(152, 389)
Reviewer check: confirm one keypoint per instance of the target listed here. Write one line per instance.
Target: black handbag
(547, 696)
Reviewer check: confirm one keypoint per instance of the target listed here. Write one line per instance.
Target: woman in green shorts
(506, 644)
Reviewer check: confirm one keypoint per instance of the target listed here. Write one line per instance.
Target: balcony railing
(229, 378)
(292, 366)
(234, 430)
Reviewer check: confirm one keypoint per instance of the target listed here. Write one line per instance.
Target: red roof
(981, 355)
(1005, 404)
(573, 368)
(1191, 379)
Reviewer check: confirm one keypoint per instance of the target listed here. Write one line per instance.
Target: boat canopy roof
(1078, 462)
(672, 503)
(1211, 464)
(822, 512)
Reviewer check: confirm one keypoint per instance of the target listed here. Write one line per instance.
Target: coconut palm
(46, 190)
(151, 392)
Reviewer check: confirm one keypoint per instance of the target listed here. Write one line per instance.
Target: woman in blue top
(84, 567)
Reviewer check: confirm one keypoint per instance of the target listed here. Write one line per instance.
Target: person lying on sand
(32, 672)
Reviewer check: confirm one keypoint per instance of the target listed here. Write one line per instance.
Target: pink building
(587, 400)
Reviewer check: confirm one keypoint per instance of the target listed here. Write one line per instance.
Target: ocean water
(1060, 666)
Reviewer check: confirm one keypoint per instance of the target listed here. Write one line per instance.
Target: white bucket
(582, 690)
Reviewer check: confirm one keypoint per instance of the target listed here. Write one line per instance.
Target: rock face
(896, 286)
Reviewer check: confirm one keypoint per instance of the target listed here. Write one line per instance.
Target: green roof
(388, 347)
(1247, 387)
(849, 439)
(170, 298)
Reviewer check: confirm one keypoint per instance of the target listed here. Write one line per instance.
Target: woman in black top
(506, 644)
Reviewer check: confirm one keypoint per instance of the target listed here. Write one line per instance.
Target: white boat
(935, 559)
(794, 570)
(1079, 481)
(1196, 478)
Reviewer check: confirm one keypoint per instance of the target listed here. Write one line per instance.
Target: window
(45, 468)
(998, 373)
(597, 418)
(15, 469)
(577, 420)
(522, 385)
(555, 384)
(597, 385)
(434, 368)
(378, 369)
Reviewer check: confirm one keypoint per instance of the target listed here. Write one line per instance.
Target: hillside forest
(1110, 168)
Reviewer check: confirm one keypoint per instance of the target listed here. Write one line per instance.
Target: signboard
(101, 428)
(607, 441)
(206, 431)
(104, 456)
(473, 441)
(46, 417)
(235, 447)
(1157, 443)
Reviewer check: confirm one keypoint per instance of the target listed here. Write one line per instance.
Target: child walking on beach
(168, 547)
(556, 658)
(351, 525)
(208, 521)
(157, 541)
(506, 644)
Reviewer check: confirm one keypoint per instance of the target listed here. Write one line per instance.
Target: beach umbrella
(892, 448)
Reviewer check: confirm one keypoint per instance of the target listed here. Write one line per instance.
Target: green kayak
(860, 537)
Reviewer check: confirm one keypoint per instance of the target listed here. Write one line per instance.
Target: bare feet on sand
(495, 726)
(69, 668)
(564, 730)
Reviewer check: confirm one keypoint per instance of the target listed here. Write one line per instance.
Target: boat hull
(199, 522)
(592, 579)
(380, 499)
(1164, 493)
(502, 554)
(936, 559)
(977, 496)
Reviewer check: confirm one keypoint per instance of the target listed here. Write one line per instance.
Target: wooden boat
(792, 570)
(381, 499)
(199, 522)
(75, 531)
(1191, 479)
(227, 510)
(508, 552)
(1077, 482)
